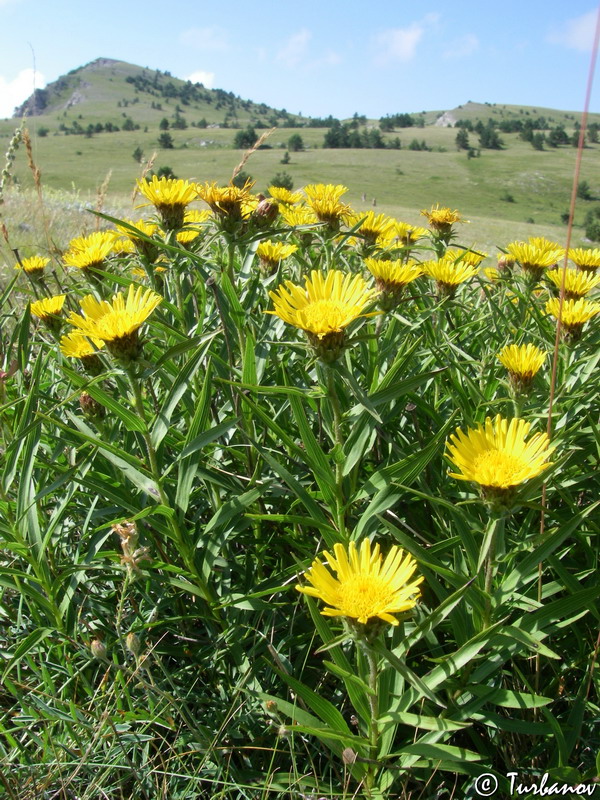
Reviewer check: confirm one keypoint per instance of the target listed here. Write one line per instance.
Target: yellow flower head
(470, 257)
(230, 202)
(448, 274)
(117, 322)
(298, 215)
(123, 247)
(271, 253)
(324, 308)
(536, 255)
(48, 308)
(324, 199)
(574, 315)
(89, 252)
(522, 362)
(392, 276)
(33, 266)
(585, 259)
(374, 226)
(409, 234)
(498, 458)
(145, 248)
(441, 219)
(170, 197)
(143, 226)
(492, 274)
(365, 586)
(577, 282)
(76, 345)
(285, 196)
(192, 221)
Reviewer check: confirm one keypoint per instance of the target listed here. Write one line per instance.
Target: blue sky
(317, 58)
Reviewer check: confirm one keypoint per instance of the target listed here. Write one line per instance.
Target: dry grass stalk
(147, 167)
(252, 150)
(101, 195)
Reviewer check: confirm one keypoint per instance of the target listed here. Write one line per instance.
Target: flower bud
(92, 409)
(98, 648)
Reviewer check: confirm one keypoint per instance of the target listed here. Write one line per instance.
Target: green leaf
(419, 721)
(28, 644)
(180, 386)
(509, 699)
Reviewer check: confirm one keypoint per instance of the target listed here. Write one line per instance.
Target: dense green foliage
(178, 661)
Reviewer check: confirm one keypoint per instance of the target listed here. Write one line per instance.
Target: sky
(318, 57)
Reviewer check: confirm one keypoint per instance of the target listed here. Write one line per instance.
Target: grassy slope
(402, 181)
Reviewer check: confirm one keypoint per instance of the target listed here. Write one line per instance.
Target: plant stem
(339, 452)
(495, 533)
(373, 723)
(180, 539)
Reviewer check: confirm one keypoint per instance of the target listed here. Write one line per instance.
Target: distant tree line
(344, 134)
(534, 129)
(392, 121)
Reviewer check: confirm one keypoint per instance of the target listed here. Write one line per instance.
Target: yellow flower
(448, 274)
(470, 257)
(441, 219)
(574, 315)
(192, 220)
(33, 266)
(374, 226)
(123, 247)
(75, 345)
(285, 196)
(535, 256)
(48, 308)
(170, 197)
(522, 362)
(584, 258)
(409, 234)
(324, 199)
(145, 248)
(497, 457)
(492, 274)
(228, 202)
(577, 282)
(324, 308)
(117, 323)
(48, 311)
(299, 215)
(364, 586)
(391, 277)
(271, 253)
(89, 252)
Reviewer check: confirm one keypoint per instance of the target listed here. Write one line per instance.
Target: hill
(110, 117)
(112, 91)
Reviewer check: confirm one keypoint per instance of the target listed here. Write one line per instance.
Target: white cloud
(295, 49)
(213, 39)
(577, 33)
(16, 91)
(201, 76)
(400, 44)
(462, 47)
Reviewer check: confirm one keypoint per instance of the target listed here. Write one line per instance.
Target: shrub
(245, 139)
(583, 191)
(165, 141)
(242, 178)
(282, 179)
(295, 143)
